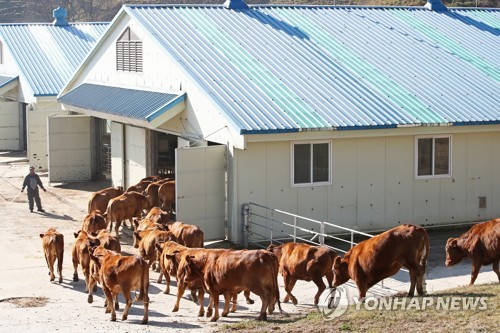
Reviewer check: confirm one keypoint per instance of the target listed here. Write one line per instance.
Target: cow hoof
(166, 291)
(250, 301)
(214, 319)
(294, 301)
(262, 317)
(113, 318)
(224, 314)
(209, 313)
(201, 314)
(159, 280)
(52, 279)
(60, 280)
(75, 278)
(175, 309)
(108, 311)
(124, 318)
(144, 321)
(90, 299)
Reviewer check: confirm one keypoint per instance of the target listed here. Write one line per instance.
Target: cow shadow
(56, 216)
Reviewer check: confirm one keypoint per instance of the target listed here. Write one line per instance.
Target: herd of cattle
(176, 250)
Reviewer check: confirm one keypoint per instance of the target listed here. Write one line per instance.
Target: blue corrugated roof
(292, 68)
(47, 55)
(6, 80)
(125, 102)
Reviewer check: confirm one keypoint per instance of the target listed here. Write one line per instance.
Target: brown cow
(143, 183)
(94, 222)
(122, 274)
(80, 256)
(382, 256)
(99, 200)
(187, 234)
(231, 272)
(481, 243)
(170, 255)
(166, 196)
(299, 261)
(109, 242)
(157, 215)
(125, 206)
(151, 192)
(53, 248)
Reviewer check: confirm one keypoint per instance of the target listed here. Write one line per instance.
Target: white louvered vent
(129, 52)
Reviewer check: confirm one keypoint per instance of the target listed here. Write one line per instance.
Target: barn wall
(374, 186)
(37, 131)
(135, 155)
(10, 126)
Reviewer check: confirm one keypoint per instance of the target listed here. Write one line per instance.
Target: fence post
(294, 229)
(352, 239)
(322, 233)
(246, 226)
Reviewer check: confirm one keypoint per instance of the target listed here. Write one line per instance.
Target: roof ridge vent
(236, 4)
(60, 15)
(436, 6)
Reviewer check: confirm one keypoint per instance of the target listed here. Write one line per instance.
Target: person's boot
(41, 210)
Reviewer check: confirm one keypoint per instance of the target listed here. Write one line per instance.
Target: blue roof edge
(155, 114)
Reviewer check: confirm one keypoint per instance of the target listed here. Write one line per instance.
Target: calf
(80, 256)
(481, 243)
(166, 196)
(231, 272)
(99, 200)
(382, 256)
(125, 206)
(170, 256)
(304, 262)
(53, 248)
(94, 222)
(122, 274)
(187, 234)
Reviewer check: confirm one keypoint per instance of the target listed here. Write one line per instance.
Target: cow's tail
(424, 254)
(144, 287)
(274, 271)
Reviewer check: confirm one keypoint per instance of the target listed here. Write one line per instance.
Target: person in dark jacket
(32, 181)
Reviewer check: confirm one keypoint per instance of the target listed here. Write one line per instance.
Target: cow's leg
(167, 282)
(227, 300)
(60, 257)
(420, 280)
(90, 287)
(128, 301)
(193, 295)
(318, 281)
(289, 284)
(215, 297)
(109, 300)
(413, 280)
(495, 268)
(117, 226)
(160, 277)
(263, 313)
(234, 300)
(201, 294)
(476, 266)
(75, 267)
(247, 296)
(180, 291)
(51, 261)
(210, 306)
(329, 277)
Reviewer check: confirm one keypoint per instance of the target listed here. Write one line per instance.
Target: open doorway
(164, 146)
(102, 144)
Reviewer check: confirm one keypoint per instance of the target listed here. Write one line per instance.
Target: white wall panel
(135, 155)
(117, 154)
(9, 126)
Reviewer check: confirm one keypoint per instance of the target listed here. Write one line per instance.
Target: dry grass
(429, 320)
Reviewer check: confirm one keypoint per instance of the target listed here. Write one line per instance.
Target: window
(433, 156)
(129, 52)
(311, 163)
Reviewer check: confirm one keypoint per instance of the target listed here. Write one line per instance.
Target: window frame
(450, 151)
(292, 164)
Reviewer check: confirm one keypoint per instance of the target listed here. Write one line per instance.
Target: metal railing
(265, 225)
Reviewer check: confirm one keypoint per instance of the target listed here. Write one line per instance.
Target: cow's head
(340, 271)
(97, 254)
(191, 270)
(454, 253)
(93, 241)
(80, 233)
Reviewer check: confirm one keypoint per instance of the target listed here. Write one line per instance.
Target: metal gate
(201, 189)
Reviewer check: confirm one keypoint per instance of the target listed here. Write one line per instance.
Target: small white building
(36, 59)
(365, 117)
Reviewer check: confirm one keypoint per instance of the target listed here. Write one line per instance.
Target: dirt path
(30, 302)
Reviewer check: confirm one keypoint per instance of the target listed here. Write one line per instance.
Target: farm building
(366, 117)
(36, 59)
